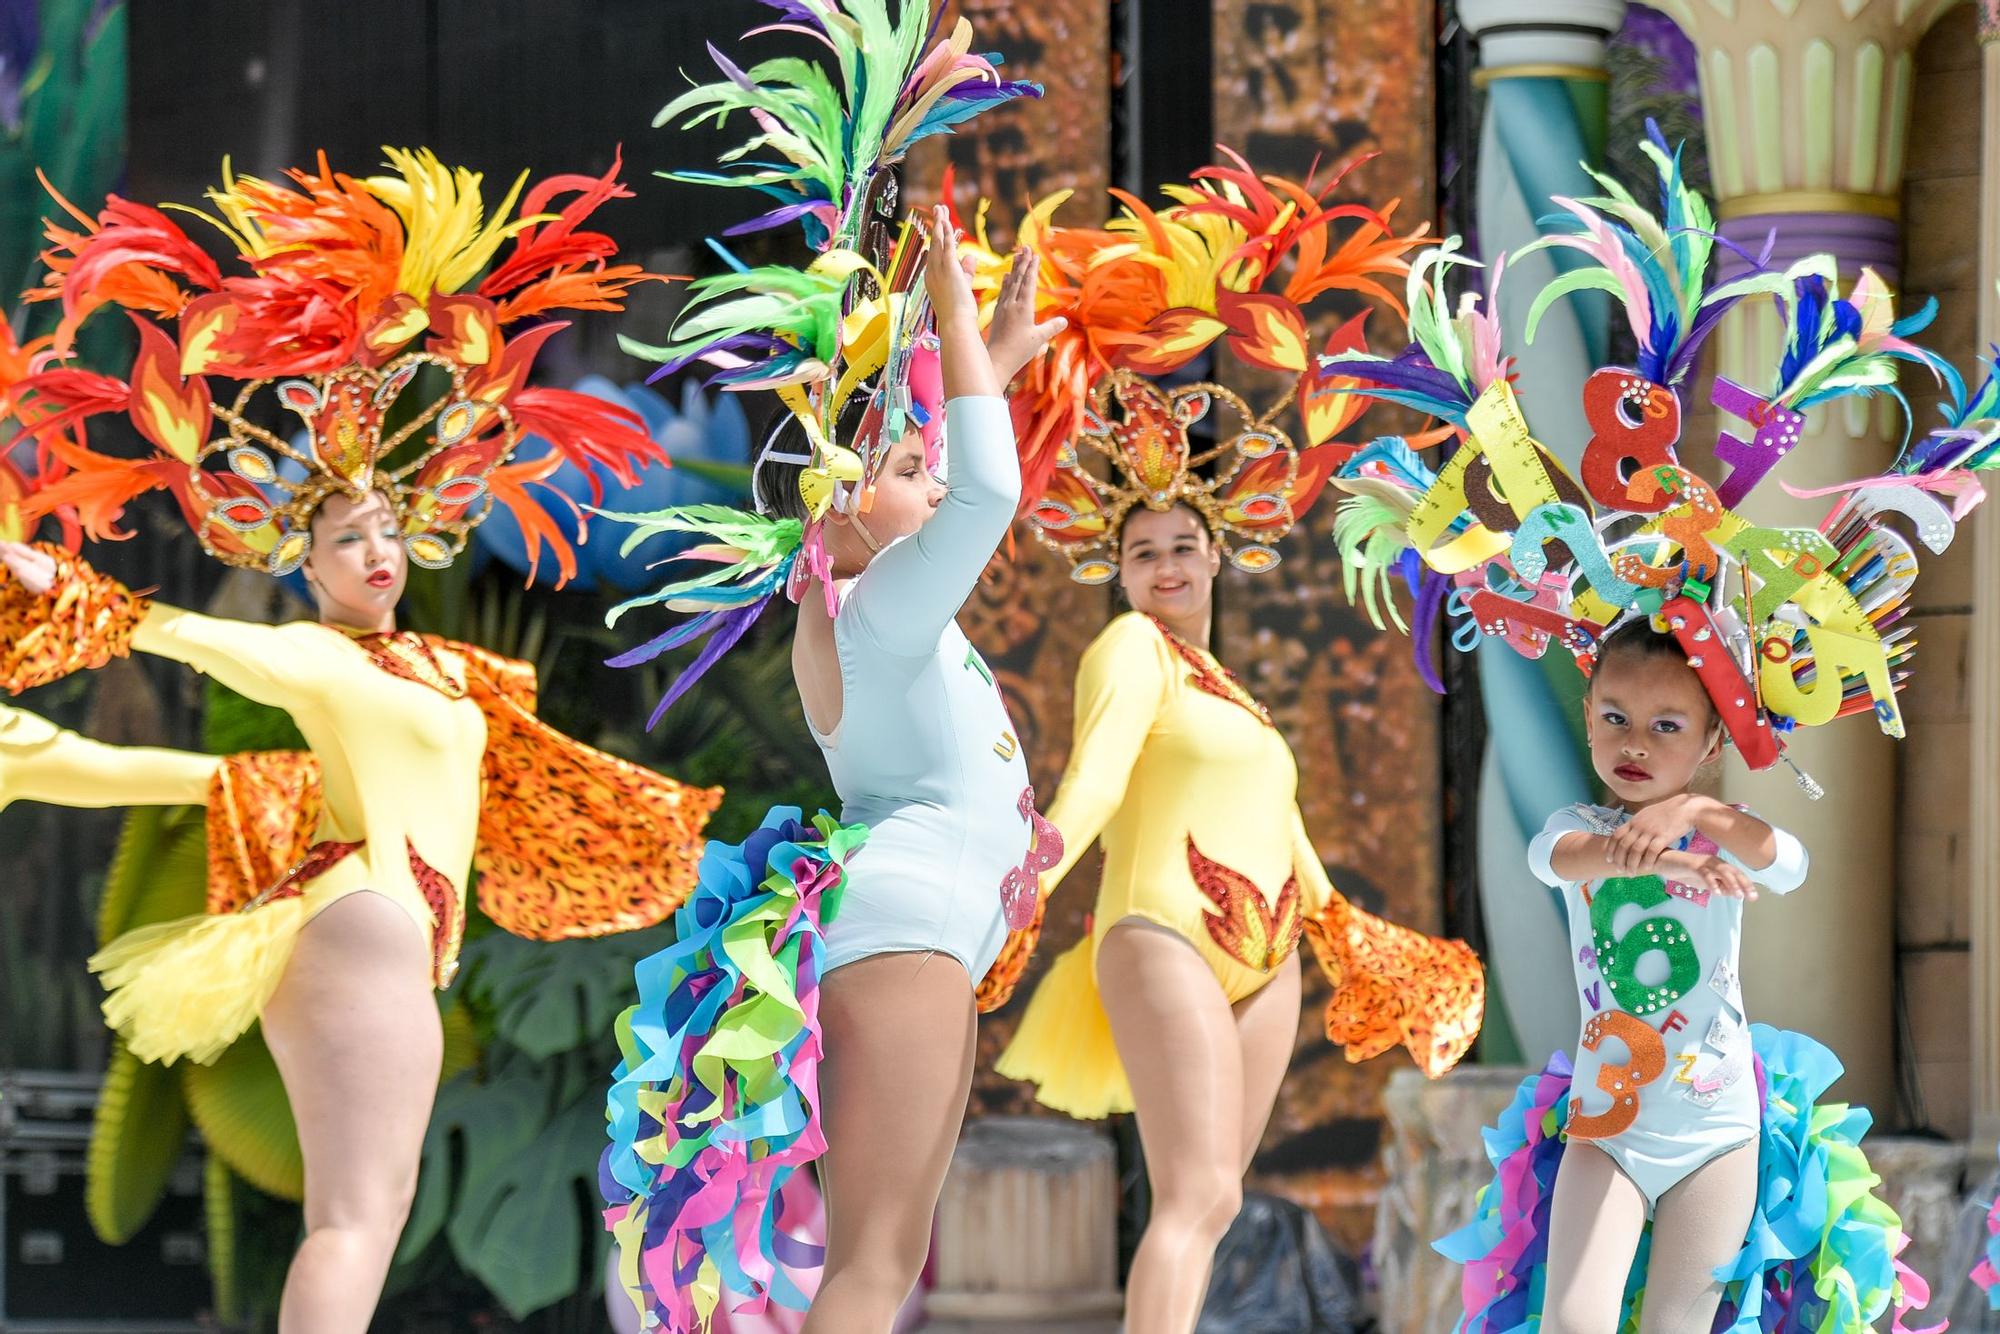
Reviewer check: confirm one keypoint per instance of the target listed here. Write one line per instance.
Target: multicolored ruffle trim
(1987, 1272)
(716, 1102)
(1821, 1253)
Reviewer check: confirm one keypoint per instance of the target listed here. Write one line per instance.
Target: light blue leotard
(1681, 947)
(925, 754)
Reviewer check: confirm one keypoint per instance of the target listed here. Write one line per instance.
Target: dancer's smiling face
(358, 564)
(1167, 564)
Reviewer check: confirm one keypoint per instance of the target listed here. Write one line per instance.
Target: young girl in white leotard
(1664, 1083)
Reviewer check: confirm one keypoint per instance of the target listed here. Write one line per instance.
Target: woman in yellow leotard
(1182, 1002)
(425, 756)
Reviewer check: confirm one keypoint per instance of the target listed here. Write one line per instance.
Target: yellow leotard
(42, 762)
(1178, 771)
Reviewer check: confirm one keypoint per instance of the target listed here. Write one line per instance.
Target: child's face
(906, 495)
(1167, 563)
(1651, 726)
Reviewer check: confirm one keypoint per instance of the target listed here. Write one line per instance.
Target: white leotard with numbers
(1664, 1080)
(925, 754)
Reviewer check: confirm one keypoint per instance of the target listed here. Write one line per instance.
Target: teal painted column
(1542, 66)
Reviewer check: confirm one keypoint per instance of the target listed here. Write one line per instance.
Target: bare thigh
(1267, 1027)
(354, 1029)
(899, 1031)
(1177, 1038)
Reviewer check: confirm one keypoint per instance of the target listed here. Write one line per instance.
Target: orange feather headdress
(1234, 259)
(357, 292)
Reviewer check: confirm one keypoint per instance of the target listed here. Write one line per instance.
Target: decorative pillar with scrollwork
(1541, 64)
(1807, 109)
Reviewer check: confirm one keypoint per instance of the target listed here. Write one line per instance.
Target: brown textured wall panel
(1332, 80)
(1022, 152)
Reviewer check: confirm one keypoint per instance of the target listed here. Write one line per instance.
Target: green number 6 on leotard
(1618, 956)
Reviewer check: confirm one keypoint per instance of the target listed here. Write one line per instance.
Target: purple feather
(777, 217)
(1411, 370)
(1432, 589)
(770, 344)
(723, 630)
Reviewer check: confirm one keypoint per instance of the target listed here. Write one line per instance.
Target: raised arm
(61, 615)
(42, 762)
(1120, 687)
(908, 594)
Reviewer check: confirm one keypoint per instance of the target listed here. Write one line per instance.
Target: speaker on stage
(56, 1277)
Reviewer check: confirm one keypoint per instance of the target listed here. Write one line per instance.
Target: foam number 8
(1634, 424)
(1622, 1081)
(1619, 955)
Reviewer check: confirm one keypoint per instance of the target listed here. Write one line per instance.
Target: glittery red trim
(1256, 936)
(319, 859)
(1212, 677)
(419, 664)
(448, 923)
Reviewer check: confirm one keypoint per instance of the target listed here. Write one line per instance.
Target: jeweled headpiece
(354, 289)
(1786, 627)
(1233, 261)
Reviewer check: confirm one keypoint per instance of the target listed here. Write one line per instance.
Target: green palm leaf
(136, 1138)
(218, 1201)
(475, 1130)
(552, 997)
(158, 873)
(519, 1228)
(240, 1106)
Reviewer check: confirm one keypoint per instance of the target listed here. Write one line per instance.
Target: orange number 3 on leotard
(1622, 1082)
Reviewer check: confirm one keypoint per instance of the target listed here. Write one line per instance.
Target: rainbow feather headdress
(851, 322)
(355, 294)
(1233, 260)
(1786, 627)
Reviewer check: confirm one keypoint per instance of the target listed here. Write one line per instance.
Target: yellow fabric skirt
(192, 986)
(1064, 1045)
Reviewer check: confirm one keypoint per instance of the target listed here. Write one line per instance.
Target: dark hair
(1200, 522)
(1637, 638)
(774, 483)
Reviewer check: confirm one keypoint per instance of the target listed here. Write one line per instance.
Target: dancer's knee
(885, 1254)
(373, 1209)
(1203, 1208)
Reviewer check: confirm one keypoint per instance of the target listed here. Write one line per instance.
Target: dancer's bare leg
(354, 1029)
(1698, 1225)
(1594, 1226)
(899, 1032)
(1178, 1040)
(1267, 1025)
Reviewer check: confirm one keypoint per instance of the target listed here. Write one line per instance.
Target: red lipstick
(1631, 773)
